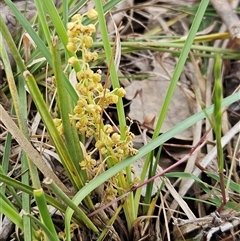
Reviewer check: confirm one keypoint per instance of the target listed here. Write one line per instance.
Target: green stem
(218, 124)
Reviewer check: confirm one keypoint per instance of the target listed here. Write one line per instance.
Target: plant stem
(218, 125)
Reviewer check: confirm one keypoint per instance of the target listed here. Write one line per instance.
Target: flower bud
(71, 47)
(87, 41)
(121, 92)
(73, 60)
(96, 78)
(57, 122)
(116, 137)
(108, 129)
(76, 17)
(70, 25)
(92, 14)
(90, 29)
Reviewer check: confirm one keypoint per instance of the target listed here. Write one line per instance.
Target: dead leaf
(149, 103)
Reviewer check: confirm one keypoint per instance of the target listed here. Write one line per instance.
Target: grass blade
(11, 214)
(44, 213)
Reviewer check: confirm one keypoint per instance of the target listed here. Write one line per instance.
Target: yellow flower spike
(131, 137)
(114, 180)
(78, 125)
(88, 56)
(73, 60)
(92, 14)
(136, 181)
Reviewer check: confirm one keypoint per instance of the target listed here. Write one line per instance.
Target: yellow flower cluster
(79, 36)
(111, 143)
(93, 99)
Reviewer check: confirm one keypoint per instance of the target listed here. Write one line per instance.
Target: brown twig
(230, 19)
